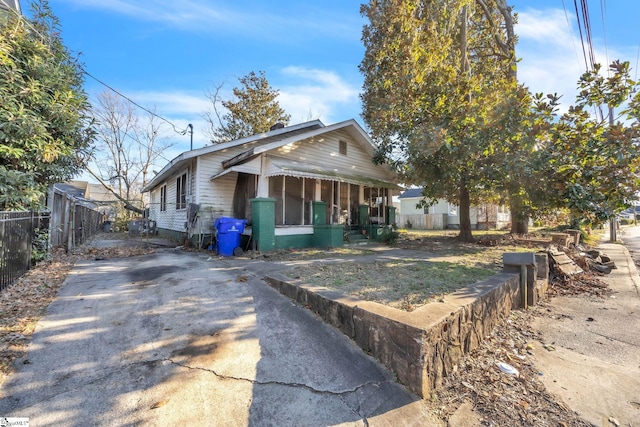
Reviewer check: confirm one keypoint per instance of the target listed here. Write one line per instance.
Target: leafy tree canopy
(436, 74)
(44, 128)
(589, 162)
(254, 110)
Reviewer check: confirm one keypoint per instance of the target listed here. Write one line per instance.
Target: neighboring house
(108, 204)
(297, 186)
(443, 215)
(631, 213)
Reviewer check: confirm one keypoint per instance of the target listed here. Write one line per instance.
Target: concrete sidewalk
(595, 367)
(178, 338)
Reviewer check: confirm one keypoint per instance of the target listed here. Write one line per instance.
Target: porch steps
(355, 237)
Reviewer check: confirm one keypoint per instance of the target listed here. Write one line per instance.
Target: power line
(585, 23)
(637, 59)
(181, 132)
(584, 52)
(84, 71)
(573, 43)
(603, 11)
(189, 127)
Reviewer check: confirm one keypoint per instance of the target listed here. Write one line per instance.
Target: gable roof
(265, 142)
(76, 189)
(411, 193)
(260, 139)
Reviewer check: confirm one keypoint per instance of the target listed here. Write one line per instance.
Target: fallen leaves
(504, 399)
(159, 404)
(25, 302)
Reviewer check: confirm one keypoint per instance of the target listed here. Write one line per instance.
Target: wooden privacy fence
(72, 221)
(422, 221)
(16, 243)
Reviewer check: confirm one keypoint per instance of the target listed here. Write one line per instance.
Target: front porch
(266, 236)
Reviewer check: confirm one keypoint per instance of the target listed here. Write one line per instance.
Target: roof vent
(276, 126)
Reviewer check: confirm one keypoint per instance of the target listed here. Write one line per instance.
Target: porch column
(319, 213)
(263, 223)
(391, 215)
(364, 215)
(263, 182)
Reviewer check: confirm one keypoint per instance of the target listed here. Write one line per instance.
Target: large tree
(45, 129)
(127, 146)
(437, 74)
(589, 161)
(253, 110)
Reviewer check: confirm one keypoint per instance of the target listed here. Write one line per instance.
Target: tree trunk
(519, 222)
(465, 204)
(127, 205)
(464, 212)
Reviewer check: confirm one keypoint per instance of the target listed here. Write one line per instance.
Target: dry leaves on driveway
(26, 301)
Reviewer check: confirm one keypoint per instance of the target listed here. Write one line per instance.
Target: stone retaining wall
(423, 346)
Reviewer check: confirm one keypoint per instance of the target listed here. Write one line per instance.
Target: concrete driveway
(178, 338)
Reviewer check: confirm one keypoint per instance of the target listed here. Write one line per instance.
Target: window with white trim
(342, 147)
(163, 198)
(181, 192)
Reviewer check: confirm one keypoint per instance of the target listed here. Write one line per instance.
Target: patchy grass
(402, 284)
(316, 253)
(441, 266)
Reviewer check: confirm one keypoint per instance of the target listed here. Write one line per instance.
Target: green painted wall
(391, 215)
(297, 241)
(328, 236)
(319, 213)
(263, 215)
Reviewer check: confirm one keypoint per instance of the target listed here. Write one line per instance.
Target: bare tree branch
(127, 204)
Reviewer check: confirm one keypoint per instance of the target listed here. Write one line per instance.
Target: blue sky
(167, 54)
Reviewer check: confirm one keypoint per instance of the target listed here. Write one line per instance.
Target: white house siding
(324, 151)
(172, 218)
(498, 217)
(215, 197)
(408, 207)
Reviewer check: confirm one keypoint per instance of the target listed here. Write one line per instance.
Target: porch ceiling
(285, 167)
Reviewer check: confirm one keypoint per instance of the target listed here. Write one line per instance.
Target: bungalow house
(296, 186)
(443, 214)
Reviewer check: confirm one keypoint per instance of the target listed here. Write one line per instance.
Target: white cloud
(314, 93)
(549, 52)
(231, 17)
(552, 56)
(173, 102)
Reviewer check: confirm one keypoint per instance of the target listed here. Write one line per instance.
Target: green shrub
(388, 234)
(40, 245)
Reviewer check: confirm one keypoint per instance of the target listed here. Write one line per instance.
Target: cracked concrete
(596, 364)
(174, 339)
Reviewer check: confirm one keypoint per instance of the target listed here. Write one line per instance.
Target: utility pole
(613, 224)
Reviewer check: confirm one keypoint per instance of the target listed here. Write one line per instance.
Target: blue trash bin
(229, 231)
